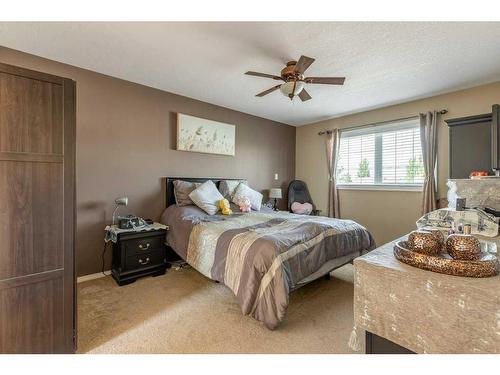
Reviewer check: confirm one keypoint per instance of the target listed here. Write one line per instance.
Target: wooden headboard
(169, 184)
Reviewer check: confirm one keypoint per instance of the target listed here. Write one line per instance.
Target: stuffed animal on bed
(223, 205)
(244, 203)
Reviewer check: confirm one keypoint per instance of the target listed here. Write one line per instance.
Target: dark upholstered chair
(298, 192)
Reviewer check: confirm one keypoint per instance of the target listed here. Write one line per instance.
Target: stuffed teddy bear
(244, 203)
(223, 205)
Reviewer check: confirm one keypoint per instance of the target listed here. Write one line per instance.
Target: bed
(261, 256)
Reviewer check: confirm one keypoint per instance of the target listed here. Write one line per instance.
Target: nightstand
(139, 253)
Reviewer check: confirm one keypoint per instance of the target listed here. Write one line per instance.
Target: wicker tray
(486, 266)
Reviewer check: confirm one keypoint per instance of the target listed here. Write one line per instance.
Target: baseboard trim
(92, 276)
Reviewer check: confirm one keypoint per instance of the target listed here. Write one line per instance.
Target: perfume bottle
(467, 229)
(452, 228)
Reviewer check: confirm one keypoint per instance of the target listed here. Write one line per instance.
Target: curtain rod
(328, 131)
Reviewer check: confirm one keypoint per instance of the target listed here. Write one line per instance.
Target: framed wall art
(201, 135)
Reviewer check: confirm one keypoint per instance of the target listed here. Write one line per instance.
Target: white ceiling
(384, 63)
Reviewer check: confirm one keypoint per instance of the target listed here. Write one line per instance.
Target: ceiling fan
(294, 81)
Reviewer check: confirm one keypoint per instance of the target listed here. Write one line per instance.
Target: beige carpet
(184, 312)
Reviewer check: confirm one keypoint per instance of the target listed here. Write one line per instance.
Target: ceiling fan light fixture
(287, 88)
(294, 80)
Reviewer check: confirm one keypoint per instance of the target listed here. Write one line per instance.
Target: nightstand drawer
(143, 245)
(150, 259)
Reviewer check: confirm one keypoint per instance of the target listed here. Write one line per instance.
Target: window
(385, 155)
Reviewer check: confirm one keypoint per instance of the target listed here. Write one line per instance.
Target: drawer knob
(142, 247)
(143, 262)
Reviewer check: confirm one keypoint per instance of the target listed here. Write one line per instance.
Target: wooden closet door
(37, 194)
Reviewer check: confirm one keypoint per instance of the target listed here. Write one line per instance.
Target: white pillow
(228, 187)
(244, 191)
(206, 197)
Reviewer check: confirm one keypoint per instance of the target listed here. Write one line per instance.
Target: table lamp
(275, 193)
(122, 201)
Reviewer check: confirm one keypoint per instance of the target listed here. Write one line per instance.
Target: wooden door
(37, 194)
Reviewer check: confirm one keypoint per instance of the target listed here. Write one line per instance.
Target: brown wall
(387, 214)
(126, 144)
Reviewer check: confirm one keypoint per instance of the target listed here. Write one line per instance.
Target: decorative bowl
(463, 246)
(486, 266)
(424, 242)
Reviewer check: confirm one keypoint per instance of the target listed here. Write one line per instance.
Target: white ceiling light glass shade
(287, 88)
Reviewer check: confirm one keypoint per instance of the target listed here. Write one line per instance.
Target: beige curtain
(332, 150)
(428, 138)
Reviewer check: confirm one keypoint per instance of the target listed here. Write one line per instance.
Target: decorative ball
(463, 246)
(437, 234)
(424, 242)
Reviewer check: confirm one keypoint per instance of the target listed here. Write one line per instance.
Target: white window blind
(387, 154)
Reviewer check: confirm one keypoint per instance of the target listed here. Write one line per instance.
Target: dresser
(405, 309)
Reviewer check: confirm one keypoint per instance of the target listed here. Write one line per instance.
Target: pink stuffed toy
(244, 204)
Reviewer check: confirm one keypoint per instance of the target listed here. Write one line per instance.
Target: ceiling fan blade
(268, 91)
(325, 80)
(257, 74)
(303, 63)
(304, 95)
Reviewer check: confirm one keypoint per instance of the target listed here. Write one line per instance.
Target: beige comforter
(261, 257)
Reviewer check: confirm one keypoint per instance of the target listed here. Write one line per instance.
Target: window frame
(377, 186)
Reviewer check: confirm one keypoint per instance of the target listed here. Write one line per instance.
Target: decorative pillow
(228, 187)
(206, 196)
(182, 189)
(301, 208)
(254, 196)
